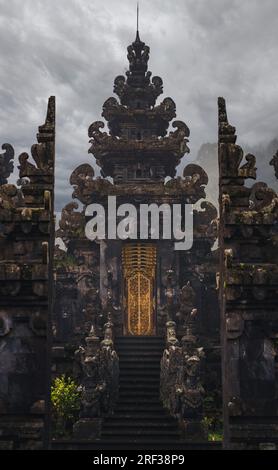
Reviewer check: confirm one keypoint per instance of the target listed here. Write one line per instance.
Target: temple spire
(137, 24)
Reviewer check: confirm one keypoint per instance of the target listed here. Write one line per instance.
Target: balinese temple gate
(139, 328)
(151, 296)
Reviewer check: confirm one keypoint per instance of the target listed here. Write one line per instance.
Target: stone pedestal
(87, 428)
(194, 430)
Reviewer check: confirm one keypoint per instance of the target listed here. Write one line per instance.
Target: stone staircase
(139, 420)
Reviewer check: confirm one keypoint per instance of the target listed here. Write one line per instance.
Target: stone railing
(98, 374)
(180, 386)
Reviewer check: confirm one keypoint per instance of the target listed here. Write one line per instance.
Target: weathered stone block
(194, 431)
(87, 428)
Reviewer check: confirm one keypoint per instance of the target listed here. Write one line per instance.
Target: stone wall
(26, 254)
(248, 286)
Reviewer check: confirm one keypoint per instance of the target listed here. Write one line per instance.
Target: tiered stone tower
(139, 154)
(137, 149)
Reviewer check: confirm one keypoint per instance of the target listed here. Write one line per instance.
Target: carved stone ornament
(274, 162)
(86, 187)
(5, 324)
(234, 325)
(6, 163)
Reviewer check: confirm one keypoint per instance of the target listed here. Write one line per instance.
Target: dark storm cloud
(73, 49)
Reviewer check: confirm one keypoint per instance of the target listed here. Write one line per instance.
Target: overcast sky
(73, 49)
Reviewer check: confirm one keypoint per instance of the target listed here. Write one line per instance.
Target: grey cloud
(73, 49)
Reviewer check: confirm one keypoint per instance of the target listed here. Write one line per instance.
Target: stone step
(134, 395)
(159, 415)
(149, 388)
(154, 387)
(148, 360)
(138, 389)
(138, 401)
(139, 415)
(134, 344)
(135, 353)
(139, 365)
(128, 433)
(143, 423)
(132, 374)
(127, 372)
(154, 355)
(132, 380)
(140, 382)
(125, 375)
(135, 356)
(139, 368)
(138, 347)
(144, 444)
(149, 339)
(146, 342)
(140, 407)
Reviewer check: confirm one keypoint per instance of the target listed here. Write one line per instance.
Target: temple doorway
(139, 273)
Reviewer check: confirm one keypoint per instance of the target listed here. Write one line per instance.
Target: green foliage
(213, 427)
(66, 262)
(65, 400)
(208, 422)
(212, 420)
(215, 436)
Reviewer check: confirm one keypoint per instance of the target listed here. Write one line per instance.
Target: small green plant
(208, 422)
(215, 436)
(65, 400)
(212, 420)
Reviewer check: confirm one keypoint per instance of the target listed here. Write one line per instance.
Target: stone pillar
(248, 297)
(26, 254)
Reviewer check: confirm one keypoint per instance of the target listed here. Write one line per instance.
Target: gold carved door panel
(139, 266)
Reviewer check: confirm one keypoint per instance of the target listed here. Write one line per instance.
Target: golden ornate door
(139, 266)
